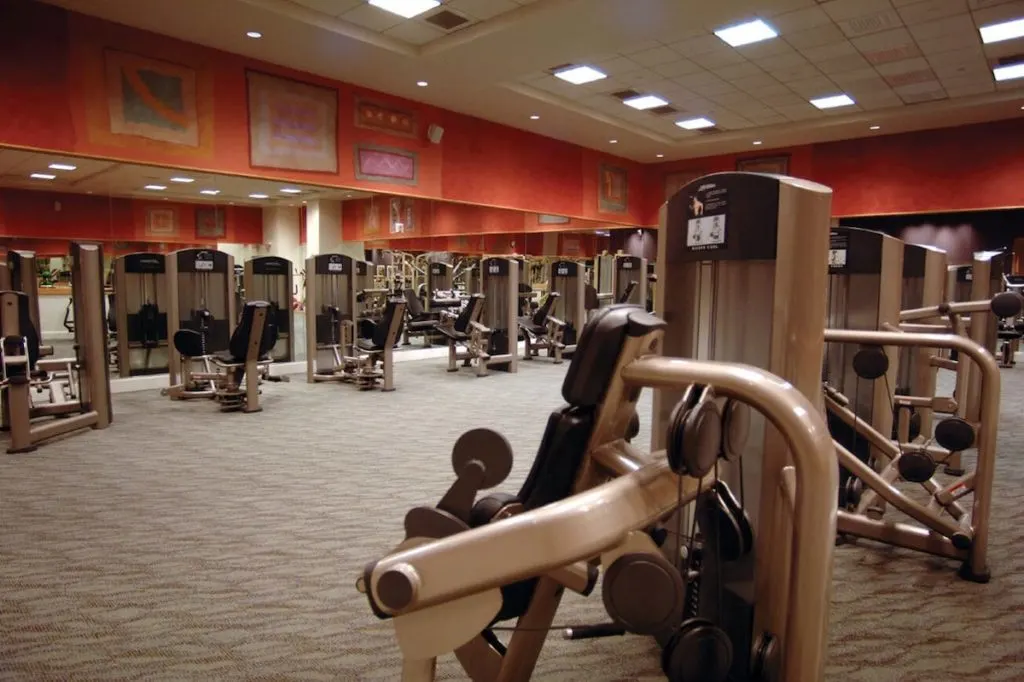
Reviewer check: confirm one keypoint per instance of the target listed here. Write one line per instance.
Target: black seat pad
(188, 342)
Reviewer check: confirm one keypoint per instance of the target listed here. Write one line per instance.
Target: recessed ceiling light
(874, 127)
(695, 123)
(746, 33)
(43, 176)
(1009, 72)
(405, 8)
(63, 166)
(758, 143)
(290, 190)
(210, 192)
(535, 117)
(258, 196)
(254, 34)
(832, 101)
(660, 156)
(578, 75)
(155, 188)
(1007, 30)
(182, 179)
(644, 102)
(422, 84)
(613, 141)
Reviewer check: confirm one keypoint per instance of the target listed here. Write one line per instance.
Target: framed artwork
(385, 164)
(764, 164)
(612, 189)
(210, 222)
(403, 215)
(161, 222)
(544, 219)
(292, 125)
(385, 118)
(151, 98)
(372, 218)
(676, 181)
(571, 246)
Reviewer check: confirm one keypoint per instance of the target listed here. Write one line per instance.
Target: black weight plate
(954, 434)
(702, 439)
(488, 447)
(870, 362)
(736, 428)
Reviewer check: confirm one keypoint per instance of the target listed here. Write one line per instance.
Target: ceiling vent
(447, 20)
(625, 94)
(664, 110)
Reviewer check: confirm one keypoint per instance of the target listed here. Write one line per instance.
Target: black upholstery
(378, 339)
(112, 313)
(418, 318)
(459, 331)
(590, 300)
(189, 343)
(238, 347)
(627, 292)
(28, 330)
(537, 323)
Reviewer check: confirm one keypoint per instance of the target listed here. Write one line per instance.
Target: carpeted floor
(186, 544)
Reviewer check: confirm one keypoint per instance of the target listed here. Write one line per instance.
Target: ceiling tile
(415, 32)
(555, 86)
(908, 78)
(818, 86)
(956, 41)
(967, 55)
(718, 88)
(965, 87)
(799, 112)
(856, 76)
(866, 86)
(872, 23)
(780, 102)
(483, 9)
(330, 7)
(765, 48)
(733, 99)
(950, 26)
(698, 45)
(800, 20)
(766, 117)
(887, 46)
(981, 4)
(642, 46)
(1004, 48)
(776, 88)
(879, 99)
(842, 64)
(904, 66)
(931, 85)
(822, 35)
(850, 9)
(782, 61)
(833, 50)
(718, 59)
(372, 18)
(617, 66)
(676, 93)
(921, 11)
(932, 95)
(741, 70)
(795, 73)
(680, 67)
(754, 81)
(654, 56)
(997, 13)
(1016, 84)
(978, 71)
(695, 80)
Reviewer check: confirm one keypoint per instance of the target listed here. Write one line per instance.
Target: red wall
(34, 215)
(52, 64)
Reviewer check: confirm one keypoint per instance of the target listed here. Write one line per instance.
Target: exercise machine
(22, 268)
(541, 330)
(500, 282)
(139, 314)
(269, 278)
(369, 362)
(629, 273)
(924, 285)
(78, 387)
(468, 339)
(591, 499)
(201, 288)
(569, 280)
(602, 278)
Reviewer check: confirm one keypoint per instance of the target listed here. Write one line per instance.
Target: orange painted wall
(34, 215)
(52, 64)
(532, 244)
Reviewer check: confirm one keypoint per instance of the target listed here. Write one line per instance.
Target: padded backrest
(380, 331)
(590, 301)
(413, 304)
(27, 329)
(597, 351)
(558, 457)
(627, 292)
(541, 316)
(112, 313)
(462, 321)
(239, 344)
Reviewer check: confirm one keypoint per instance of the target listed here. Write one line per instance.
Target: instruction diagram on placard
(837, 258)
(706, 231)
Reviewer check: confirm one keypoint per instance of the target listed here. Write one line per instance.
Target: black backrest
(380, 331)
(413, 304)
(462, 321)
(590, 301)
(541, 316)
(112, 313)
(27, 329)
(239, 344)
(627, 292)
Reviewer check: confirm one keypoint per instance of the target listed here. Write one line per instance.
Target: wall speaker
(435, 133)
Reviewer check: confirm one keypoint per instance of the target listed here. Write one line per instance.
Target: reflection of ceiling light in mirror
(422, 84)
(613, 141)
(290, 190)
(43, 176)
(874, 127)
(63, 166)
(1007, 30)
(254, 34)
(758, 143)
(534, 117)
(258, 196)
(578, 75)
(696, 123)
(405, 8)
(210, 192)
(660, 156)
(746, 33)
(155, 188)
(1009, 72)
(182, 179)
(644, 102)
(832, 101)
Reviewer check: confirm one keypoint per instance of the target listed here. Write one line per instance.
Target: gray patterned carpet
(186, 544)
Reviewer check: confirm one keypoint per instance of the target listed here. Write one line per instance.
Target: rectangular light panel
(578, 75)
(63, 166)
(644, 102)
(405, 8)
(155, 188)
(182, 179)
(290, 190)
(1007, 30)
(833, 101)
(746, 33)
(1009, 72)
(695, 123)
(210, 192)
(258, 196)
(43, 176)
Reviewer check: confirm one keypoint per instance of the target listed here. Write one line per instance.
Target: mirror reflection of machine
(630, 275)
(23, 269)
(141, 303)
(601, 278)
(924, 285)
(567, 279)
(201, 284)
(269, 278)
(330, 306)
(500, 289)
(754, 292)
(652, 285)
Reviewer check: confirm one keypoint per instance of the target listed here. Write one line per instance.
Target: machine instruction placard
(706, 218)
(202, 265)
(335, 267)
(838, 250)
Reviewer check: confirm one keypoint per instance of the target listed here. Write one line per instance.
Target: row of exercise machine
(795, 403)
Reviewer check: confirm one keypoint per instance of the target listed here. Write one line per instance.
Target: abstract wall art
(385, 118)
(612, 189)
(151, 98)
(403, 215)
(210, 223)
(161, 222)
(292, 125)
(385, 164)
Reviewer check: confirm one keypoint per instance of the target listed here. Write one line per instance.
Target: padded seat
(536, 324)
(377, 339)
(460, 330)
(419, 320)
(238, 347)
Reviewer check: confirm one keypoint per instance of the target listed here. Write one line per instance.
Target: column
(323, 230)
(281, 233)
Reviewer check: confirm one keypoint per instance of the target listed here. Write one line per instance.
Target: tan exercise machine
(500, 282)
(141, 302)
(629, 274)
(78, 387)
(468, 339)
(568, 278)
(269, 278)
